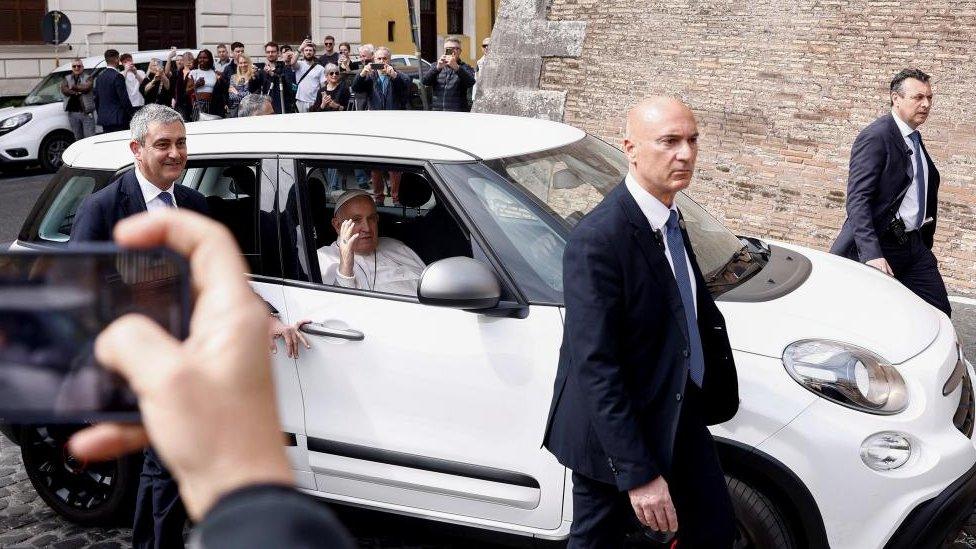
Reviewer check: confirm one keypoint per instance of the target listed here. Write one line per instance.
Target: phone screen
(53, 304)
(377, 66)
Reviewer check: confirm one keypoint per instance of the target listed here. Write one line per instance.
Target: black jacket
(269, 516)
(112, 99)
(450, 87)
(880, 169)
(624, 357)
(397, 99)
(100, 212)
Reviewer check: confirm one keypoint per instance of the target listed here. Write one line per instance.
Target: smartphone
(54, 303)
(378, 66)
(449, 51)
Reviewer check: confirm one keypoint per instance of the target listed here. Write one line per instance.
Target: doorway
(428, 30)
(166, 23)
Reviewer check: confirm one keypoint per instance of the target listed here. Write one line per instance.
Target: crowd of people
(203, 87)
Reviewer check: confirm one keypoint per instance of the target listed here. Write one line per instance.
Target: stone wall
(781, 89)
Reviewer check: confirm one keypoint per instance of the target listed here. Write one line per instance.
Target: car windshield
(571, 180)
(47, 90)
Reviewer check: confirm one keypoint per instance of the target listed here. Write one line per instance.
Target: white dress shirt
(132, 87)
(909, 209)
(151, 193)
(393, 268)
(657, 215)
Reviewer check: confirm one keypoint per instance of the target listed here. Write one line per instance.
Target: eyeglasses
(333, 73)
(327, 44)
(485, 46)
(76, 66)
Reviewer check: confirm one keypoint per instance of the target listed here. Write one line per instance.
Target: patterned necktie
(676, 247)
(919, 176)
(166, 198)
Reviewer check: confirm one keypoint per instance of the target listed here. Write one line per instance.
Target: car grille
(965, 413)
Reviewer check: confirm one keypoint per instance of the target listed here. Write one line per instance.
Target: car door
(438, 410)
(243, 194)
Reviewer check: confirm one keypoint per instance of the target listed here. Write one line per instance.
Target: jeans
(82, 125)
(302, 106)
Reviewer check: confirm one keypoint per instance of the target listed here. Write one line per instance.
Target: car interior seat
(238, 213)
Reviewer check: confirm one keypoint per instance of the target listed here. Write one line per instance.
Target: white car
(856, 422)
(38, 132)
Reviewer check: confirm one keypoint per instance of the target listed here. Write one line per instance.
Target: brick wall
(781, 88)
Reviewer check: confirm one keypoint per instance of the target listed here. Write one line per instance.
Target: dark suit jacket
(98, 214)
(880, 169)
(112, 99)
(397, 97)
(624, 356)
(269, 516)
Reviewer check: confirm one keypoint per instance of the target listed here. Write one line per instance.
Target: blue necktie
(166, 198)
(919, 176)
(676, 247)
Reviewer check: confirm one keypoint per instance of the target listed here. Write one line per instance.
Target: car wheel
(758, 522)
(51, 150)
(85, 493)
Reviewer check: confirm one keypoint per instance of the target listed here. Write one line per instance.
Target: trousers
(603, 516)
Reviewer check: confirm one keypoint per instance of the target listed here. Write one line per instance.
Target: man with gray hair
(158, 146)
(255, 104)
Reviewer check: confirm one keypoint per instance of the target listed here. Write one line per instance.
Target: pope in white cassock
(360, 258)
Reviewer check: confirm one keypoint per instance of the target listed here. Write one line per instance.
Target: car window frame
(513, 306)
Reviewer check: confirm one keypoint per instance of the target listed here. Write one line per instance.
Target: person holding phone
(450, 79)
(385, 88)
(334, 93)
(201, 82)
(345, 62)
(156, 87)
(247, 80)
(133, 80)
(308, 75)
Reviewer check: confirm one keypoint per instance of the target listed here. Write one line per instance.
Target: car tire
(89, 494)
(51, 149)
(758, 522)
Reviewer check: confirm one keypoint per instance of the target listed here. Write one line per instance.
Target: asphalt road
(19, 190)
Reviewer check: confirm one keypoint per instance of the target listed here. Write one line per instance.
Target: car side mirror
(459, 282)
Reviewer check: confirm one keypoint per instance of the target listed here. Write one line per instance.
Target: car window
(55, 214)
(233, 191)
(48, 90)
(417, 218)
(398, 62)
(522, 233)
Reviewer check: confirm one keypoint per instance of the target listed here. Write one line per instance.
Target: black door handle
(314, 328)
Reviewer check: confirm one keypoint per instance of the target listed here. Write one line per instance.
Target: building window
(20, 21)
(290, 21)
(391, 31)
(455, 16)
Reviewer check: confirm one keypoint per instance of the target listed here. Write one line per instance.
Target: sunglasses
(327, 44)
(333, 73)
(76, 66)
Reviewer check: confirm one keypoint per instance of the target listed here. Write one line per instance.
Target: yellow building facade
(387, 23)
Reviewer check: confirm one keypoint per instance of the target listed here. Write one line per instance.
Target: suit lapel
(901, 145)
(132, 201)
(654, 254)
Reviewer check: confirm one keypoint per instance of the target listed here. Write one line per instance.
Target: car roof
(96, 61)
(415, 135)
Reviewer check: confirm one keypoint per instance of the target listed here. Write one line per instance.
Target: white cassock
(393, 268)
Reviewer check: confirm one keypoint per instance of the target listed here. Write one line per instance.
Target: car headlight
(14, 122)
(848, 375)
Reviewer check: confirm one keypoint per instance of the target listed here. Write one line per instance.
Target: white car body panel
(438, 383)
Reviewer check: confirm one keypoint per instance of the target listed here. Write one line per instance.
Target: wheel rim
(73, 482)
(55, 150)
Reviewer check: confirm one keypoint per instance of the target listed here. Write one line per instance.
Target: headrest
(243, 178)
(414, 191)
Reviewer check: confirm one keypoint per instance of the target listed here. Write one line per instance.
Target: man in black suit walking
(645, 363)
(111, 97)
(893, 194)
(159, 147)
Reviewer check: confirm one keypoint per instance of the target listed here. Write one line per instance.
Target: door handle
(314, 328)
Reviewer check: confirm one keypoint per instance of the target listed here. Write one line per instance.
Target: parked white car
(856, 422)
(38, 132)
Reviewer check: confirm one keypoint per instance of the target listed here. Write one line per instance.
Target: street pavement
(25, 521)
